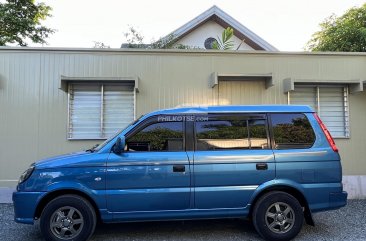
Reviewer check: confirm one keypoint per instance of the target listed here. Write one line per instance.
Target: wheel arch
(57, 193)
(290, 190)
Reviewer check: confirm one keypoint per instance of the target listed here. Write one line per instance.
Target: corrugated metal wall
(33, 110)
(250, 92)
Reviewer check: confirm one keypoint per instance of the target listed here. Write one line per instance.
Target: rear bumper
(25, 204)
(325, 196)
(337, 199)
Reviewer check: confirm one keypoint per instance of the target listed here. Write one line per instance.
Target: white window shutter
(304, 95)
(118, 108)
(332, 110)
(331, 103)
(84, 116)
(97, 111)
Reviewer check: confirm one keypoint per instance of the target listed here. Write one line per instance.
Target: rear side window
(231, 132)
(292, 131)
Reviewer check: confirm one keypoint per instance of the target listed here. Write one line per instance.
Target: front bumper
(25, 204)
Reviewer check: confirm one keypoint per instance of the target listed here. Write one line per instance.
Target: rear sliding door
(232, 157)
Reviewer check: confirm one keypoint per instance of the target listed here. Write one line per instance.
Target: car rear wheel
(68, 217)
(278, 216)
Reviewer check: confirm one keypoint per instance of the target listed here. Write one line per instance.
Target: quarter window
(292, 131)
(161, 136)
(224, 133)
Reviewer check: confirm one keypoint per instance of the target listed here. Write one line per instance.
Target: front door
(153, 173)
(232, 157)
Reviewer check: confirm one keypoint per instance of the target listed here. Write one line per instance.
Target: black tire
(68, 217)
(278, 216)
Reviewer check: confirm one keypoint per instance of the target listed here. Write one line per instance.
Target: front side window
(225, 133)
(292, 131)
(159, 136)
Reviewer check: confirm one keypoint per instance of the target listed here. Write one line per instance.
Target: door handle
(261, 166)
(179, 168)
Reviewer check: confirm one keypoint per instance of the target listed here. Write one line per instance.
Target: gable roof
(220, 17)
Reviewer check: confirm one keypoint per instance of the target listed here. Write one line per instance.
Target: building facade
(202, 31)
(55, 101)
(207, 27)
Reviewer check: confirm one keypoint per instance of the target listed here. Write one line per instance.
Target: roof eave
(214, 10)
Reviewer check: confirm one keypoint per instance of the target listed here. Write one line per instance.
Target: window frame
(101, 86)
(273, 141)
(153, 120)
(247, 116)
(346, 108)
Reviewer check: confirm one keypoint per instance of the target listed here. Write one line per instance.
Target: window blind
(96, 111)
(331, 103)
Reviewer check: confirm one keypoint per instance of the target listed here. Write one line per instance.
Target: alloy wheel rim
(66, 223)
(280, 217)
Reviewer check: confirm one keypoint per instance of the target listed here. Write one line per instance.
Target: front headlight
(26, 174)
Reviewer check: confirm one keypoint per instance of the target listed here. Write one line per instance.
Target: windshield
(113, 136)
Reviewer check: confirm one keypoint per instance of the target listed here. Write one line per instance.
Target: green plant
(100, 45)
(225, 42)
(20, 21)
(135, 40)
(345, 33)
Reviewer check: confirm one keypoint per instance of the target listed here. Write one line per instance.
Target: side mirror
(119, 146)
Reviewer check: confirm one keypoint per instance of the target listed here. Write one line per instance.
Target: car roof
(235, 108)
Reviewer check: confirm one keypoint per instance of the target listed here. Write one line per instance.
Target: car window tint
(292, 131)
(220, 134)
(258, 134)
(230, 133)
(162, 136)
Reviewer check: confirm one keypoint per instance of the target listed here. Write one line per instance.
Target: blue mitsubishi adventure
(275, 165)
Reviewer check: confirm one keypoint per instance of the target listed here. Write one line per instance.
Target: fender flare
(288, 186)
(69, 187)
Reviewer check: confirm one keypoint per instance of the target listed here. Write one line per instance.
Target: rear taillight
(326, 132)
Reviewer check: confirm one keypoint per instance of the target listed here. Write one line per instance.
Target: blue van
(273, 164)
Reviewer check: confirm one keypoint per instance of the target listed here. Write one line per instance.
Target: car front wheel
(68, 217)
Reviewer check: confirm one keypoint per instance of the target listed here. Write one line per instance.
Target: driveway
(347, 223)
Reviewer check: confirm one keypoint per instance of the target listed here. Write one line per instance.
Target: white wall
(355, 186)
(210, 29)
